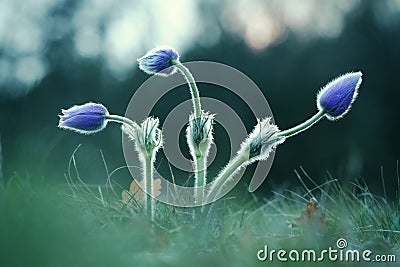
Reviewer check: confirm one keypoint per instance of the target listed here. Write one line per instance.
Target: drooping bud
(88, 118)
(159, 61)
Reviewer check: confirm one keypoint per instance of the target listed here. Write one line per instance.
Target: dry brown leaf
(312, 215)
(136, 194)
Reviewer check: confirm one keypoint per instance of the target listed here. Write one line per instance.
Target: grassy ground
(43, 225)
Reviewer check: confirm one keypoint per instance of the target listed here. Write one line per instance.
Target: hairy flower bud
(151, 134)
(147, 136)
(262, 140)
(148, 140)
(88, 118)
(159, 61)
(338, 95)
(199, 134)
(257, 146)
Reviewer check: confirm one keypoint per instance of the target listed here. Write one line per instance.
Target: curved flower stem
(193, 87)
(303, 126)
(123, 120)
(242, 159)
(200, 163)
(227, 172)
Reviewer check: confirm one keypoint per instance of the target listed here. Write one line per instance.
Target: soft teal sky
(120, 31)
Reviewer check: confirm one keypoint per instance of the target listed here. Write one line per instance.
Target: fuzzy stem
(123, 120)
(200, 160)
(303, 126)
(146, 160)
(200, 178)
(149, 201)
(226, 173)
(193, 87)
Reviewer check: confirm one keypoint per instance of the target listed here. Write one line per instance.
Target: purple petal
(338, 95)
(87, 118)
(159, 61)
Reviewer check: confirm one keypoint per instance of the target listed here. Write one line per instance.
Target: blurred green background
(54, 54)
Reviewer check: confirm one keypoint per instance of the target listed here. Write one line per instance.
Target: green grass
(77, 225)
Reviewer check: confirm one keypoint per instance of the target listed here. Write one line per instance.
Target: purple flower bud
(88, 118)
(159, 61)
(338, 95)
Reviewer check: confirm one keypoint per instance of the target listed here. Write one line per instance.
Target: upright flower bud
(159, 61)
(199, 134)
(338, 95)
(88, 118)
(147, 137)
(151, 135)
